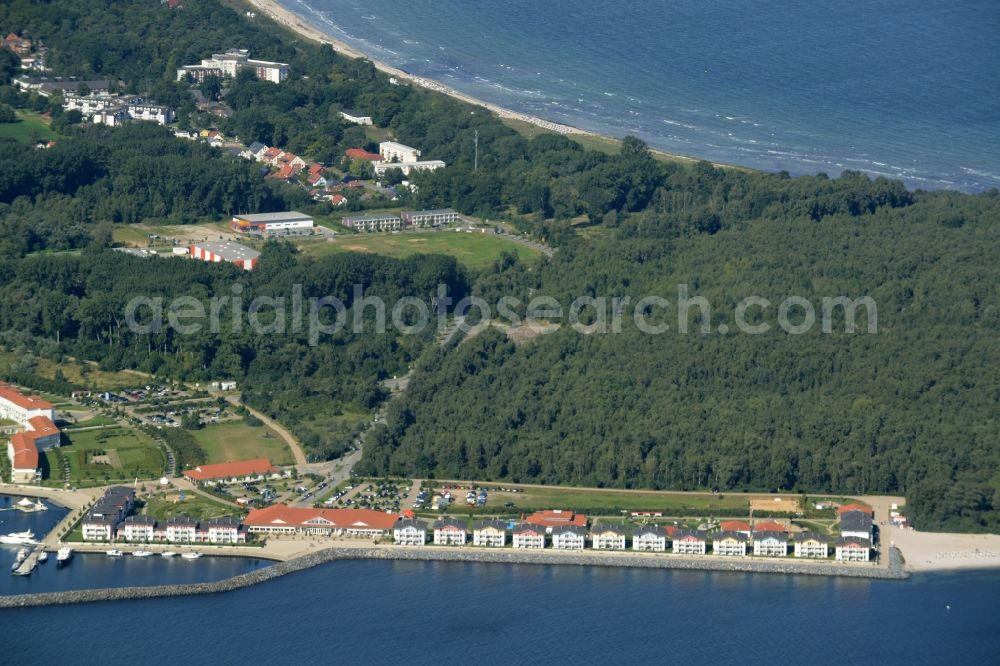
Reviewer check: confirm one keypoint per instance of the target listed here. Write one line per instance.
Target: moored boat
(142, 553)
(114, 552)
(191, 556)
(43, 556)
(19, 538)
(168, 553)
(63, 555)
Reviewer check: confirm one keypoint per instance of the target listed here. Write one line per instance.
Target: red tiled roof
(317, 169)
(556, 517)
(338, 199)
(734, 526)
(25, 451)
(855, 507)
(770, 526)
(280, 515)
(228, 470)
(359, 154)
(10, 394)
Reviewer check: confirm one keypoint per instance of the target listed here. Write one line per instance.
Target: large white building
(690, 542)
(811, 545)
(407, 167)
(429, 218)
(114, 110)
(449, 532)
(397, 152)
(373, 222)
(355, 117)
(37, 418)
(529, 536)
(853, 549)
(608, 537)
(14, 406)
(226, 65)
(649, 538)
(287, 223)
(730, 543)
(569, 537)
(770, 544)
(102, 520)
(409, 532)
(490, 533)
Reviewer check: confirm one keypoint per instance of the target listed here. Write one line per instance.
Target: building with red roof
(242, 471)
(36, 416)
(856, 507)
(360, 154)
(283, 519)
(556, 517)
(735, 526)
(23, 456)
(19, 408)
(769, 526)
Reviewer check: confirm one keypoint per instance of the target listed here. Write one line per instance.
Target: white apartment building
(409, 532)
(355, 117)
(853, 549)
(608, 537)
(181, 529)
(449, 532)
(770, 544)
(811, 545)
(429, 218)
(529, 536)
(690, 542)
(730, 544)
(376, 222)
(226, 65)
(397, 152)
(138, 528)
(407, 167)
(652, 538)
(569, 537)
(489, 533)
(20, 408)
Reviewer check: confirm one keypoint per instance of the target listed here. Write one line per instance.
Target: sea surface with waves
(908, 89)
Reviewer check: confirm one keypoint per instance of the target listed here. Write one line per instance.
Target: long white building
(226, 65)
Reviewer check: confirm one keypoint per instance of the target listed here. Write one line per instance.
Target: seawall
(786, 567)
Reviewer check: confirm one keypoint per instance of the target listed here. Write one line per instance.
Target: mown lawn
(131, 454)
(28, 128)
(475, 250)
(169, 505)
(228, 442)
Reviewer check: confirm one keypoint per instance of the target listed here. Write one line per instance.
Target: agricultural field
(29, 127)
(110, 455)
(474, 250)
(227, 442)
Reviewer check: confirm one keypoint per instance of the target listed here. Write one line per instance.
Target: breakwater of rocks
(778, 566)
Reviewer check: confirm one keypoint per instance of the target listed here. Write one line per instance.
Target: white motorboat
(22, 555)
(142, 553)
(114, 552)
(168, 553)
(43, 557)
(191, 556)
(63, 555)
(26, 538)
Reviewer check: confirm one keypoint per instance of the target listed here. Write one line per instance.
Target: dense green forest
(911, 408)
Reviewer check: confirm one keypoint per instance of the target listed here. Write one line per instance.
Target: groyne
(739, 565)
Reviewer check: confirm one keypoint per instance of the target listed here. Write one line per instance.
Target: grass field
(93, 421)
(475, 250)
(28, 128)
(227, 442)
(80, 374)
(167, 506)
(130, 453)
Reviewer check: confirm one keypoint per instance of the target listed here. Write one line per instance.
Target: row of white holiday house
(770, 542)
(109, 520)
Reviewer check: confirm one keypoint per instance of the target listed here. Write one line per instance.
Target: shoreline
(485, 555)
(294, 22)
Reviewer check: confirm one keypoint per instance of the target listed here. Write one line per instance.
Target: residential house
(690, 542)
(852, 549)
(255, 151)
(530, 536)
(608, 537)
(768, 543)
(857, 523)
(372, 222)
(569, 537)
(338, 199)
(138, 528)
(449, 532)
(730, 543)
(649, 538)
(409, 532)
(181, 529)
(361, 154)
(222, 531)
(811, 545)
(489, 533)
(244, 471)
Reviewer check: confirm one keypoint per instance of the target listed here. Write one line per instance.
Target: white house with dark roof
(608, 537)
(690, 542)
(182, 529)
(569, 537)
(527, 535)
(853, 549)
(138, 528)
(449, 532)
(489, 533)
(857, 524)
(650, 538)
(409, 532)
(770, 544)
(811, 545)
(730, 543)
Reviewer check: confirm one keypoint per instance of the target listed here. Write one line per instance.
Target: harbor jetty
(893, 572)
